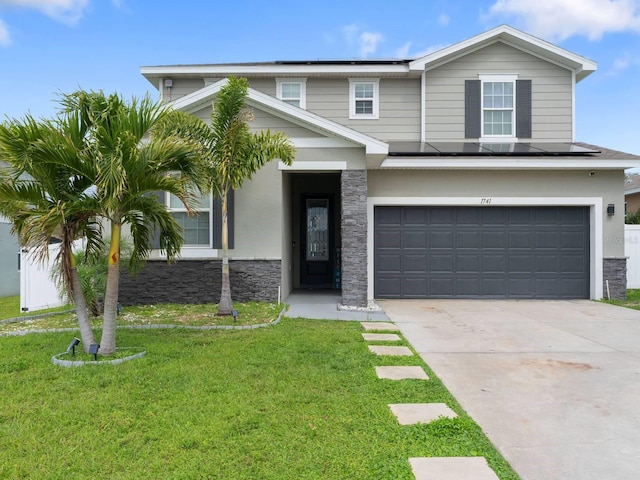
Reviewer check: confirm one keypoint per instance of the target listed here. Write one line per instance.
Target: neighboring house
(632, 193)
(9, 253)
(454, 175)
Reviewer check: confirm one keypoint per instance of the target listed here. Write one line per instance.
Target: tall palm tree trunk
(86, 333)
(225, 307)
(108, 341)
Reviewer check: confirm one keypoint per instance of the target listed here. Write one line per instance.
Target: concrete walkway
(324, 305)
(554, 384)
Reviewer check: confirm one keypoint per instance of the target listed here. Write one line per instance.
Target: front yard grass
(297, 400)
(632, 300)
(249, 313)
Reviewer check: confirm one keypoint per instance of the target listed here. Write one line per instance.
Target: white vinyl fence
(37, 290)
(632, 252)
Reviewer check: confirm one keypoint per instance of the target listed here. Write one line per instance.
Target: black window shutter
(155, 236)
(472, 109)
(217, 220)
(523, 108)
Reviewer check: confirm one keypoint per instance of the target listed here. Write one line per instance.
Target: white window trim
(167, 197)
(303, 89)
(504, 78)
(352, 99)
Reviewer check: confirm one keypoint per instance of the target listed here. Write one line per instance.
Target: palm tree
(45, 198)
(229, 154)
(130, 162)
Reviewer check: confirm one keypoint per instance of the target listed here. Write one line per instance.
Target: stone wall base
(199, 281)
(615, 271)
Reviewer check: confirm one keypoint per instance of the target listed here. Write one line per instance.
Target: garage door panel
(494, 217)
(469, 217)
(467, 239)
(520, 239)
(575, 240)
(415, 239)
(475, 252)
(545, 264)
(546, 216)
(441, 239)
(389, 263)
(548, 240)
(572, 264)
(388, 239)
(414, 263)
(389, 287)
(389, 217)
(442, 263)
(468, 286)
(467, 263)
(440, 286)
(415, 216)
(494, 286)
(441, 216)
(520, 287)
(520, 216)
(494, 263)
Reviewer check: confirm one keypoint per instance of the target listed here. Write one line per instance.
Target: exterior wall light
(611, 209)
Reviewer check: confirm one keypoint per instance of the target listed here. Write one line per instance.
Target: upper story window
(363, 98)
(292, 91)
(196, 229)
(498, 105)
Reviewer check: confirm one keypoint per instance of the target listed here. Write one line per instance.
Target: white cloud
(443, 19)
(560, 19)
(621, 64)
(5, 38)
(405, 51)
(66, 11)
(369, 43)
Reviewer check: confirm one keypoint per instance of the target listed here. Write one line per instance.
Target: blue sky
(50, 46)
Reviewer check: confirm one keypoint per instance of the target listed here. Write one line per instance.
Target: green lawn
(298, 400)
(10, 308)
(632, 300)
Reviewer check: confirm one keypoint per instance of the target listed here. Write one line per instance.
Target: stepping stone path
(452, 468)
(379, 326)
(391, 351)
(428, 468)
(401, 373)
(412, 413)
(381, 337)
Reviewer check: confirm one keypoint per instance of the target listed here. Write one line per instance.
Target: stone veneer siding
(354, 237)
(615, 270)
(199, 281)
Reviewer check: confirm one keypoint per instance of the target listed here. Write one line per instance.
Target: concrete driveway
(554, 384)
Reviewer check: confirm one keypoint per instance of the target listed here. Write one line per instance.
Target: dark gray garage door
(471, 252)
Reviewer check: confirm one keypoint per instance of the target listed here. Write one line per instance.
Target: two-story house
(454, 175)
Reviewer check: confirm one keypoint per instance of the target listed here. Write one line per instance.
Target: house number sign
(485, 201)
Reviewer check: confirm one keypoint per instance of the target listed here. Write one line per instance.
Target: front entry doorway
(317, 245)
(316, 241)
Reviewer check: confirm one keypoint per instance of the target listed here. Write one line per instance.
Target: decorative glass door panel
(317, 229)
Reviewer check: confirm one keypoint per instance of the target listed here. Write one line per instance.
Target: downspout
(423, 107)
(573, 106)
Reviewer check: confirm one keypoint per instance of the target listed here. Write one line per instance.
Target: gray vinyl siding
(399, 108)
(264, 120)
(551, 112)
(182, 87)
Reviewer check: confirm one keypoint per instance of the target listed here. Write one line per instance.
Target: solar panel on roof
(486, 149)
